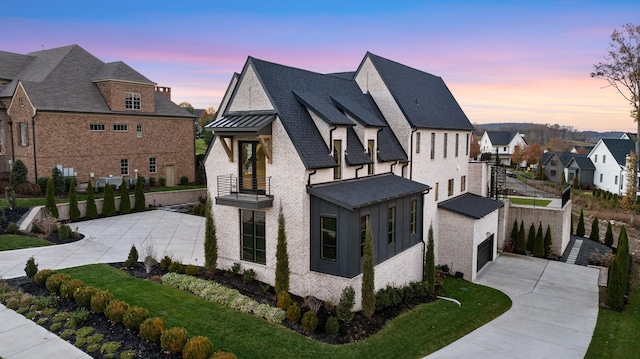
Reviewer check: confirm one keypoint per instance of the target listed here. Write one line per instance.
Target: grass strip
(12, 241)
(530, 201)
(413, 334)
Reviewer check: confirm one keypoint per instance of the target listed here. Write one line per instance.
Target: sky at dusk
(504, 61)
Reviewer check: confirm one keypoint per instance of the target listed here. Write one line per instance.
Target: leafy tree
(139, 195)
(368, 286)
(595, 230)
(50, 202)
(92, 210)
(621, 69)
(580, 231)
(608, 238)
(538, 245)
(531, 238)
(430, 264)
(74, 212)
(210, 241)
(125, 201)
(547, 241)
(521, 243)
(18, 173)
(59, 186)
(282, 257)
(108, 202)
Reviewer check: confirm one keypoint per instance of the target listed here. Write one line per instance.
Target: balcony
(254, 193)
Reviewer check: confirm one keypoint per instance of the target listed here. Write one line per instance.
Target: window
(21, 101)
(24, 135)
(253, 236)
(124, 166)
(414, 215)
(328, 238)
(433, 145)
(364, 226)
(571, 174)
(552, 173)
(601, 178)
(337, 156)
(596, 161)
(153, 168)
(132, 101)
(604, 158)
(615, 180)
(444, 148)
(139, 130)
(457, 143)
(391, 225)
(463, 183)
(467, 147)
(450, 188)
(504, 149)
(97, 127)
(435, 191)
(371, 145)
(417, 142)
(554, 162)
(121, 128)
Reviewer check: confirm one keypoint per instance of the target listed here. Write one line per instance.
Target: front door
(252, 167)
(170, 173)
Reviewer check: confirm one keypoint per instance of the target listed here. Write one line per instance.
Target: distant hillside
(535, 132)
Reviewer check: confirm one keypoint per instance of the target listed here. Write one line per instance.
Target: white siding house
(503, 144)
(609, 158)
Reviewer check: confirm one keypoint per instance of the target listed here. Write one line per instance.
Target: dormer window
(132, 101)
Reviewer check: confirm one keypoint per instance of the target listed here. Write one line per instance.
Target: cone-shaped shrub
(139, 195)
(108, 204)
(74, 212)
(429, 264)
(595, 230)
(514, 231)
(282, 257)
(580, 231)
(345, 305)
(210, 241)
(521, 243)
(92, 210)
(622, 255)
(547, 241)
(125, 201)
(368, 295)
(31, 268)
(538, 246)
(615, 293)
(531, 238)
(132, 259)
(50, 202)
(608, 237)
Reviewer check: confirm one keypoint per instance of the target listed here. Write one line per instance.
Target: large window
(124, 166)
(139, 130)
(463, 183)
(253, 236)
(444, 147)
(24, 135)
(132, 101)
(433, 145)
(153, 168)
(120, 127)
(328, 243)
(371, 145)
(391, 225)
(435, 191)
(364, 226)
(450, 188)
(96, 127)
(417, 142)
(457, 143)
(414, 215)
(467, 148)
(337, 156)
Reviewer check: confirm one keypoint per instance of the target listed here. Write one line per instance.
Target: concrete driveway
(107, 240)
(554, 311)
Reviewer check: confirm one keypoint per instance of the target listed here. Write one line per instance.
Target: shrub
(210, 240)
(531, 238)
(345, 305)
(547, 241)
(115, 310)
(108, 201)
(78, 317)
(12, 201)
(580, 231)
(152, 181)
(235, 269)
(608, 237)
(31, 268)
(429, 264)
(223, 355)
(84, 295)
(134, 316)
(198, 347)
(173, 339)
(191, 270)
(100, 300)
(151, 329)
(282, 257)
(132, 259)
(368, 277)
(125, 201)
(92, 209)
(18, 173)
(41, 277)
(283, 300)
(12, 228)
(248, 275)
(538, 245)
(176, 267)
(29, 189)
(163, 181)
(74, 212)
(521, 243)
(201, 175)
(309, 322)
(165, 262)
(332, 326)
(54, 282)
(293, 313)
(595, 230)
(59, 186)
(42, 183)
(184, 180)
(139, 195)
(615, 292)
(68, 288)
(64, 232)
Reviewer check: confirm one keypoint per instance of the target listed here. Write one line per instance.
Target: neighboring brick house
(377, 149)
(503, 144)
(65, 108)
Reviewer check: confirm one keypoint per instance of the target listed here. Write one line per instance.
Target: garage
(485, 252)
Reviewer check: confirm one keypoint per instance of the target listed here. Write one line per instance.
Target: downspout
(411, 154)
(309, 178)
(358, 169)
(33, 131)
(331, 139)
(11, 132)
(392, 165)
(403, 168)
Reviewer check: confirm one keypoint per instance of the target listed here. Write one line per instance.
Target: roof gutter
(33, 131)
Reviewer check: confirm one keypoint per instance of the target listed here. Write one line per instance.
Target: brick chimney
(166, 91)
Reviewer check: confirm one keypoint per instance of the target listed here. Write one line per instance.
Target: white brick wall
(558, 219)
(250, 96)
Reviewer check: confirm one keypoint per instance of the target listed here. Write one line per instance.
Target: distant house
(629, 136)
(582, 168)
(582, 150)
(609, 156)
(502, 144)
(555, 163)
(65, 108)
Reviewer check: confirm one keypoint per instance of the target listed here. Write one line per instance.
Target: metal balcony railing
(244, 188)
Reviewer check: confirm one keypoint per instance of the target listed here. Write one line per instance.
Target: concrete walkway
(554, 311)
(106, 240)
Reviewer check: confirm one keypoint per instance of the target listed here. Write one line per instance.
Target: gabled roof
(61, 79)
(583, 162)
(471, 205)
(563, 157)
(360, 192)
(354, 155)
(619, 149)
(424, 99)
(500, 138)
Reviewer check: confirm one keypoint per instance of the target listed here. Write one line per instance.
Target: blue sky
(504, 61)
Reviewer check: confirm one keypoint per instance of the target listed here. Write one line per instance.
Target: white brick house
(375, 149)
(503, 144)
(609, 157)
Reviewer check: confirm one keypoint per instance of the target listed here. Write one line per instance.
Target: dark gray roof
(583, 162)
(471, 205)
(61, 79)
(424, 99)
(546, 156)
(245, 122)
(500, 138)
(355, 154)
(620, 149)
(345, 75)
(360, 192)
(563, 157)
(12, 64)
(324, 107)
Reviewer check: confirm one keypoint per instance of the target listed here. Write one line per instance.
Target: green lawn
(616, 334)
(11, 241)
(201, 147)
(530, 201)
(414, 334)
